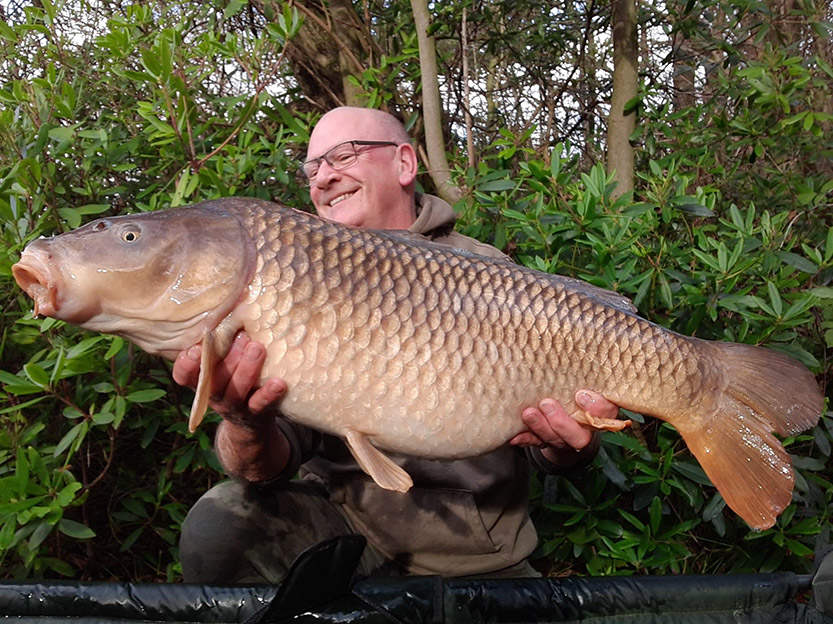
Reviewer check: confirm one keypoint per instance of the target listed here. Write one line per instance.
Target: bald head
(381, 125)
(376, 189)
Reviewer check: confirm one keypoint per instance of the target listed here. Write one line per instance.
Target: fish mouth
(31, 276)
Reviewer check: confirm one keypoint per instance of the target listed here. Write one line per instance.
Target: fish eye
(131, 234)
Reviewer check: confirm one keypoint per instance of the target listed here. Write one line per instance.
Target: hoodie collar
(432, 214)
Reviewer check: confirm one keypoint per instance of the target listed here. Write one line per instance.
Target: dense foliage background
(115, 106)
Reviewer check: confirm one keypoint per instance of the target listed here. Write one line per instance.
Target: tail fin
(765, 392)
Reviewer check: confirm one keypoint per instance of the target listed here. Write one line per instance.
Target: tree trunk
(438, 167)
(588, 94)
(683, 56)
(625, 87)
(786, 28)
(684, 69)
(328, 50)
(464, 45)
(713, 61)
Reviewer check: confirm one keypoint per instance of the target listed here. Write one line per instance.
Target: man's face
(368, 192)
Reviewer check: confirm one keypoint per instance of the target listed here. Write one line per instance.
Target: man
(462, 518)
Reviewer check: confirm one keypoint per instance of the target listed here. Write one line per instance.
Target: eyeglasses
(339, 157)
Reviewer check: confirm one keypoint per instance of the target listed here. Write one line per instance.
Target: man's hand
(234, 392)
(561, 438)
(249, 443)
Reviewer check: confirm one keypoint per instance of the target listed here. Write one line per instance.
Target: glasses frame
(310, 179)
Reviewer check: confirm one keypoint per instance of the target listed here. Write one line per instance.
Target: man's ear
(407, 162)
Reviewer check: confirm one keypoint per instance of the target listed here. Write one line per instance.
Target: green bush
(728, 237)
(697, 265)
(97, 470)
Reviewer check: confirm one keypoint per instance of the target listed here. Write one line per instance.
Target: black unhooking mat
(319, 589)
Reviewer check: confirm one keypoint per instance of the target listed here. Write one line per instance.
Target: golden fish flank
(397, 344)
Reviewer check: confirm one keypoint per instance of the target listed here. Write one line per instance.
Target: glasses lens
(341, 156)
(308, 170)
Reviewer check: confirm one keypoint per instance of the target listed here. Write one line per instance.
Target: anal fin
(732, 434)
(375, 463)
(745, 462)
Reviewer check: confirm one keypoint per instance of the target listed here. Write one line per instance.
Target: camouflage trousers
(238, 533)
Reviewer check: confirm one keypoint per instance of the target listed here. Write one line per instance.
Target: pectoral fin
(203, 391)
(379, 466)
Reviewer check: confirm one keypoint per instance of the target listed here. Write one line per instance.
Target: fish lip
(32, 276)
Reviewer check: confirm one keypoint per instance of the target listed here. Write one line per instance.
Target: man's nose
(326, 174)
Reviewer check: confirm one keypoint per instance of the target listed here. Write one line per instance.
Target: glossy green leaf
(145, 396)
(75, 529)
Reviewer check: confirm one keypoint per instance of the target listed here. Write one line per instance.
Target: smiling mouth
(341, 198)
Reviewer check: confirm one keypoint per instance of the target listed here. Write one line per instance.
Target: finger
(596, 405)
(186, 369)
(565, 430)
(526, 439)
(225, 368)
(540, 426)
(246, 374)
(265, 396)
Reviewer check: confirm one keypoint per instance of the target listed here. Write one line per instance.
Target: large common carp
(395, 343)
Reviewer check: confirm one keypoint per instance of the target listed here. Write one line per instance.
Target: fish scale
(549, 323)
(398, 344)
